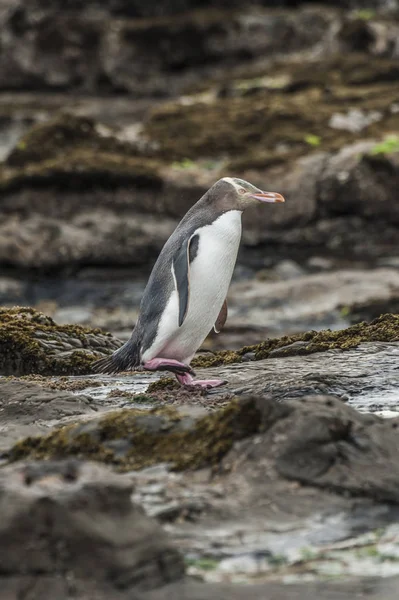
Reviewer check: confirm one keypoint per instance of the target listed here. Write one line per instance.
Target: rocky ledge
(277, 476)
(31, 342)
(79, 519)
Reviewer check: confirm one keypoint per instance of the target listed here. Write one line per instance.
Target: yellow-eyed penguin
(186, 292)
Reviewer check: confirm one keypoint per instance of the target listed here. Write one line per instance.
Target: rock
(99, 50)
(11, 290)
(133, 439)
(357, 182)
(28, 409)
(71, 528)
(327, 446)
(355, 120)
(288, 269)
(75, 195)
(365, 375)
(321, 263)
(325, 299)
(54, 543)
(30, 342)
(369, 589)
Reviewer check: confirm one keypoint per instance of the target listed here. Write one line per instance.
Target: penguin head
(241, 194)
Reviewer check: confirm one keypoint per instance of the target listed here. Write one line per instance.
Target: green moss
(25, 335)
(365, 14)
(383, 329)
(312, 140)
(148, 438)
(164, 383)
(388, 146)
(204, 563)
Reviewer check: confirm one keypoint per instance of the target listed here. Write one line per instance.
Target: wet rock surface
(78, 519)
(71, 528)
(28, 407)
(275, 477)
(313, 440)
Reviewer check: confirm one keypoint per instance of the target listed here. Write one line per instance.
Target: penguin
(186, 292)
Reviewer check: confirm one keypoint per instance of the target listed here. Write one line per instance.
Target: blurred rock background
(116, 116)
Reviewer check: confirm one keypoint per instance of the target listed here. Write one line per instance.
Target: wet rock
(28, 409)
(315, 440)
(71, 528)
(369, 589)
(134, 439)
(322, 298)
(384, 329)
(365, 376)
(31, 342)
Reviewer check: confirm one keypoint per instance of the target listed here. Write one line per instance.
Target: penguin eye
(241, 190)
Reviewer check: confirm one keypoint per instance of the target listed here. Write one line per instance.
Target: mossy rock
(383, 329)
(275, 115)
(73, 152)
(31, 342)
(133, 439)
(57, 136)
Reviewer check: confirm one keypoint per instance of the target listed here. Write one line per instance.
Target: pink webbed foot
(188, 381)
(168, 364)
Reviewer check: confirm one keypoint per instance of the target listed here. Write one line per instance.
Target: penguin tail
(124, 359)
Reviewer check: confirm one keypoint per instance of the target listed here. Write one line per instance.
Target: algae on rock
(383, 329)
(133, 439)
(31, 342)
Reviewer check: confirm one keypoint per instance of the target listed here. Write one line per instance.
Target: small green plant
(345, 311)
(277, 560)
(205, 564)
(312, 140)
(186, 163)
(307, 554)
(387, 146)
(364, 14)
(367, 552)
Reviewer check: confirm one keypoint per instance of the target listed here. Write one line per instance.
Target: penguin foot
(168, 364)
(188, 381)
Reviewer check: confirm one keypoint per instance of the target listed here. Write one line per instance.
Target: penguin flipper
(221, 320)
(181, 268)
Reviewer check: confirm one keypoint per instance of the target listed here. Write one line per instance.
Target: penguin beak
(268, 197)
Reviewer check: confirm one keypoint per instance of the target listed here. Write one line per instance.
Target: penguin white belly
(210, 276)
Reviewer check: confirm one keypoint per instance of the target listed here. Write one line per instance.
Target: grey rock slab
(300, 301)
(28, 409)
(367, 588)
(367, 376)
(69, 529)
